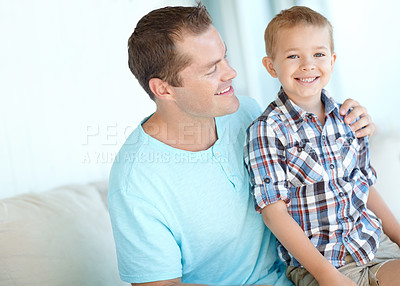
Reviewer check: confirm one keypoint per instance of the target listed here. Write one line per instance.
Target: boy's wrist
(325, 272)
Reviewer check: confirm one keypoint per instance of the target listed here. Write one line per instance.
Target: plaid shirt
(321, 172)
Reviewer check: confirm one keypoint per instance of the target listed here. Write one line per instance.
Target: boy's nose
(307, 64)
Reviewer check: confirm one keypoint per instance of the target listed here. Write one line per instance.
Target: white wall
(67, 97)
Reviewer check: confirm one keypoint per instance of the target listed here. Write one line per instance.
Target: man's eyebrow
(210, 65)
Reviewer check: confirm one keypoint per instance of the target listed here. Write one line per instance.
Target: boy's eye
(318, 55)
(292, 57)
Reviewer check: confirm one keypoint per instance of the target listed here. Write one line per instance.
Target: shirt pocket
(349, 148)
(304, 167)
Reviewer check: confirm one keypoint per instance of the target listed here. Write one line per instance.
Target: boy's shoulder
(272, 115)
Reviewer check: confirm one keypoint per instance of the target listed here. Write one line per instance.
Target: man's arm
(292, 237)
(391, 226)
(364, 125)
(172, 282)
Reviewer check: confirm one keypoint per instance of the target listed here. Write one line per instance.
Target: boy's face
(303, 62)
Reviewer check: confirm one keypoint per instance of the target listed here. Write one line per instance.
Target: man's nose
(229, 72)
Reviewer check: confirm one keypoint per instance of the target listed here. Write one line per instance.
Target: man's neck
(182, 132)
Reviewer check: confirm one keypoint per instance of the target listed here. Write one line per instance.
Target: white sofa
(58, 237)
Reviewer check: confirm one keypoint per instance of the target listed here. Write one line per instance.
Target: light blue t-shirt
(188, 214)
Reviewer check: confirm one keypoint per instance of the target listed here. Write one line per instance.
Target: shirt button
(331, 166)
(341, 194)
(350, 140)
(267, 180)
(310, 116)
(299, 149)
(217, 154)
(323, 137)
(346, 239)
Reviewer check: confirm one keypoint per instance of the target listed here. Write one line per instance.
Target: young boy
(310, 175)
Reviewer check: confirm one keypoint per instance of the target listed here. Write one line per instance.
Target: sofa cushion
(59, 237)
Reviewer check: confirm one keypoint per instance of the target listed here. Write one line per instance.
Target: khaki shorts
(362, 275)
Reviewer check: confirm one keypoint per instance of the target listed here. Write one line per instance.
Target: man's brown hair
(152, 46)
(297, 15)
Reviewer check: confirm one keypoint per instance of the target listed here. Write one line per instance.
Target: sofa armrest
(58, 237)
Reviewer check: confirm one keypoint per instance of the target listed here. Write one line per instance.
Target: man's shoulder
(248, 107)
(130, 160)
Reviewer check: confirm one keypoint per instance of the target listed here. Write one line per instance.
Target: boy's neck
(315, 106)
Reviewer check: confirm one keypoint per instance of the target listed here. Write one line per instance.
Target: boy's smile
(303, 62)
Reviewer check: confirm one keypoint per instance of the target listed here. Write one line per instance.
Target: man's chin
(232, 106)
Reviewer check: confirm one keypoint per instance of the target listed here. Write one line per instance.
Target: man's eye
(292, 57)
(213, 70)
(318, 55)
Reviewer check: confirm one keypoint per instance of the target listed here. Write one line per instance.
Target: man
(179, 196)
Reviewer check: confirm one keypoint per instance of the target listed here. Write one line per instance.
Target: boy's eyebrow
(316, 48)
(322, 48)
(217, 61)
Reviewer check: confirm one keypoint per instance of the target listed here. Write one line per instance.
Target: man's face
(206, 90)
(303, 61)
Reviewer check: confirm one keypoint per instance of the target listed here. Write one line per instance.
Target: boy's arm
(292, 237)
(391, 226)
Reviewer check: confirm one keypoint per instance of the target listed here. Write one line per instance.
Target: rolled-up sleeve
(364, 161)
(264, 155)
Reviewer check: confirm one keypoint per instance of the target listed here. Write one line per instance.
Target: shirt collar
(295, 114)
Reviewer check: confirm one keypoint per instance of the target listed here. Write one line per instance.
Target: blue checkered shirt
(322, 173)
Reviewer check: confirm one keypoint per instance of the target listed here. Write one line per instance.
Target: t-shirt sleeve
(146, 248)
(265, 160)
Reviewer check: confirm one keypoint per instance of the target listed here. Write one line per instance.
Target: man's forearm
(173, 282)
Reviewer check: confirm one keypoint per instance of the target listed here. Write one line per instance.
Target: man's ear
(160, 88)
(267, 62)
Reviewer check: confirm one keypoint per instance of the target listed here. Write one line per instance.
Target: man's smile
(225, 91)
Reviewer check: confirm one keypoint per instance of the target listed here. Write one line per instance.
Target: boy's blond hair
(297, 15)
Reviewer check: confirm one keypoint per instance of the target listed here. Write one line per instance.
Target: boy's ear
(160, 88)
(267, 62)
(333, 60)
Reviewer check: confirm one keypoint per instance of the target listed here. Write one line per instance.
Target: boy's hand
(364, 125)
